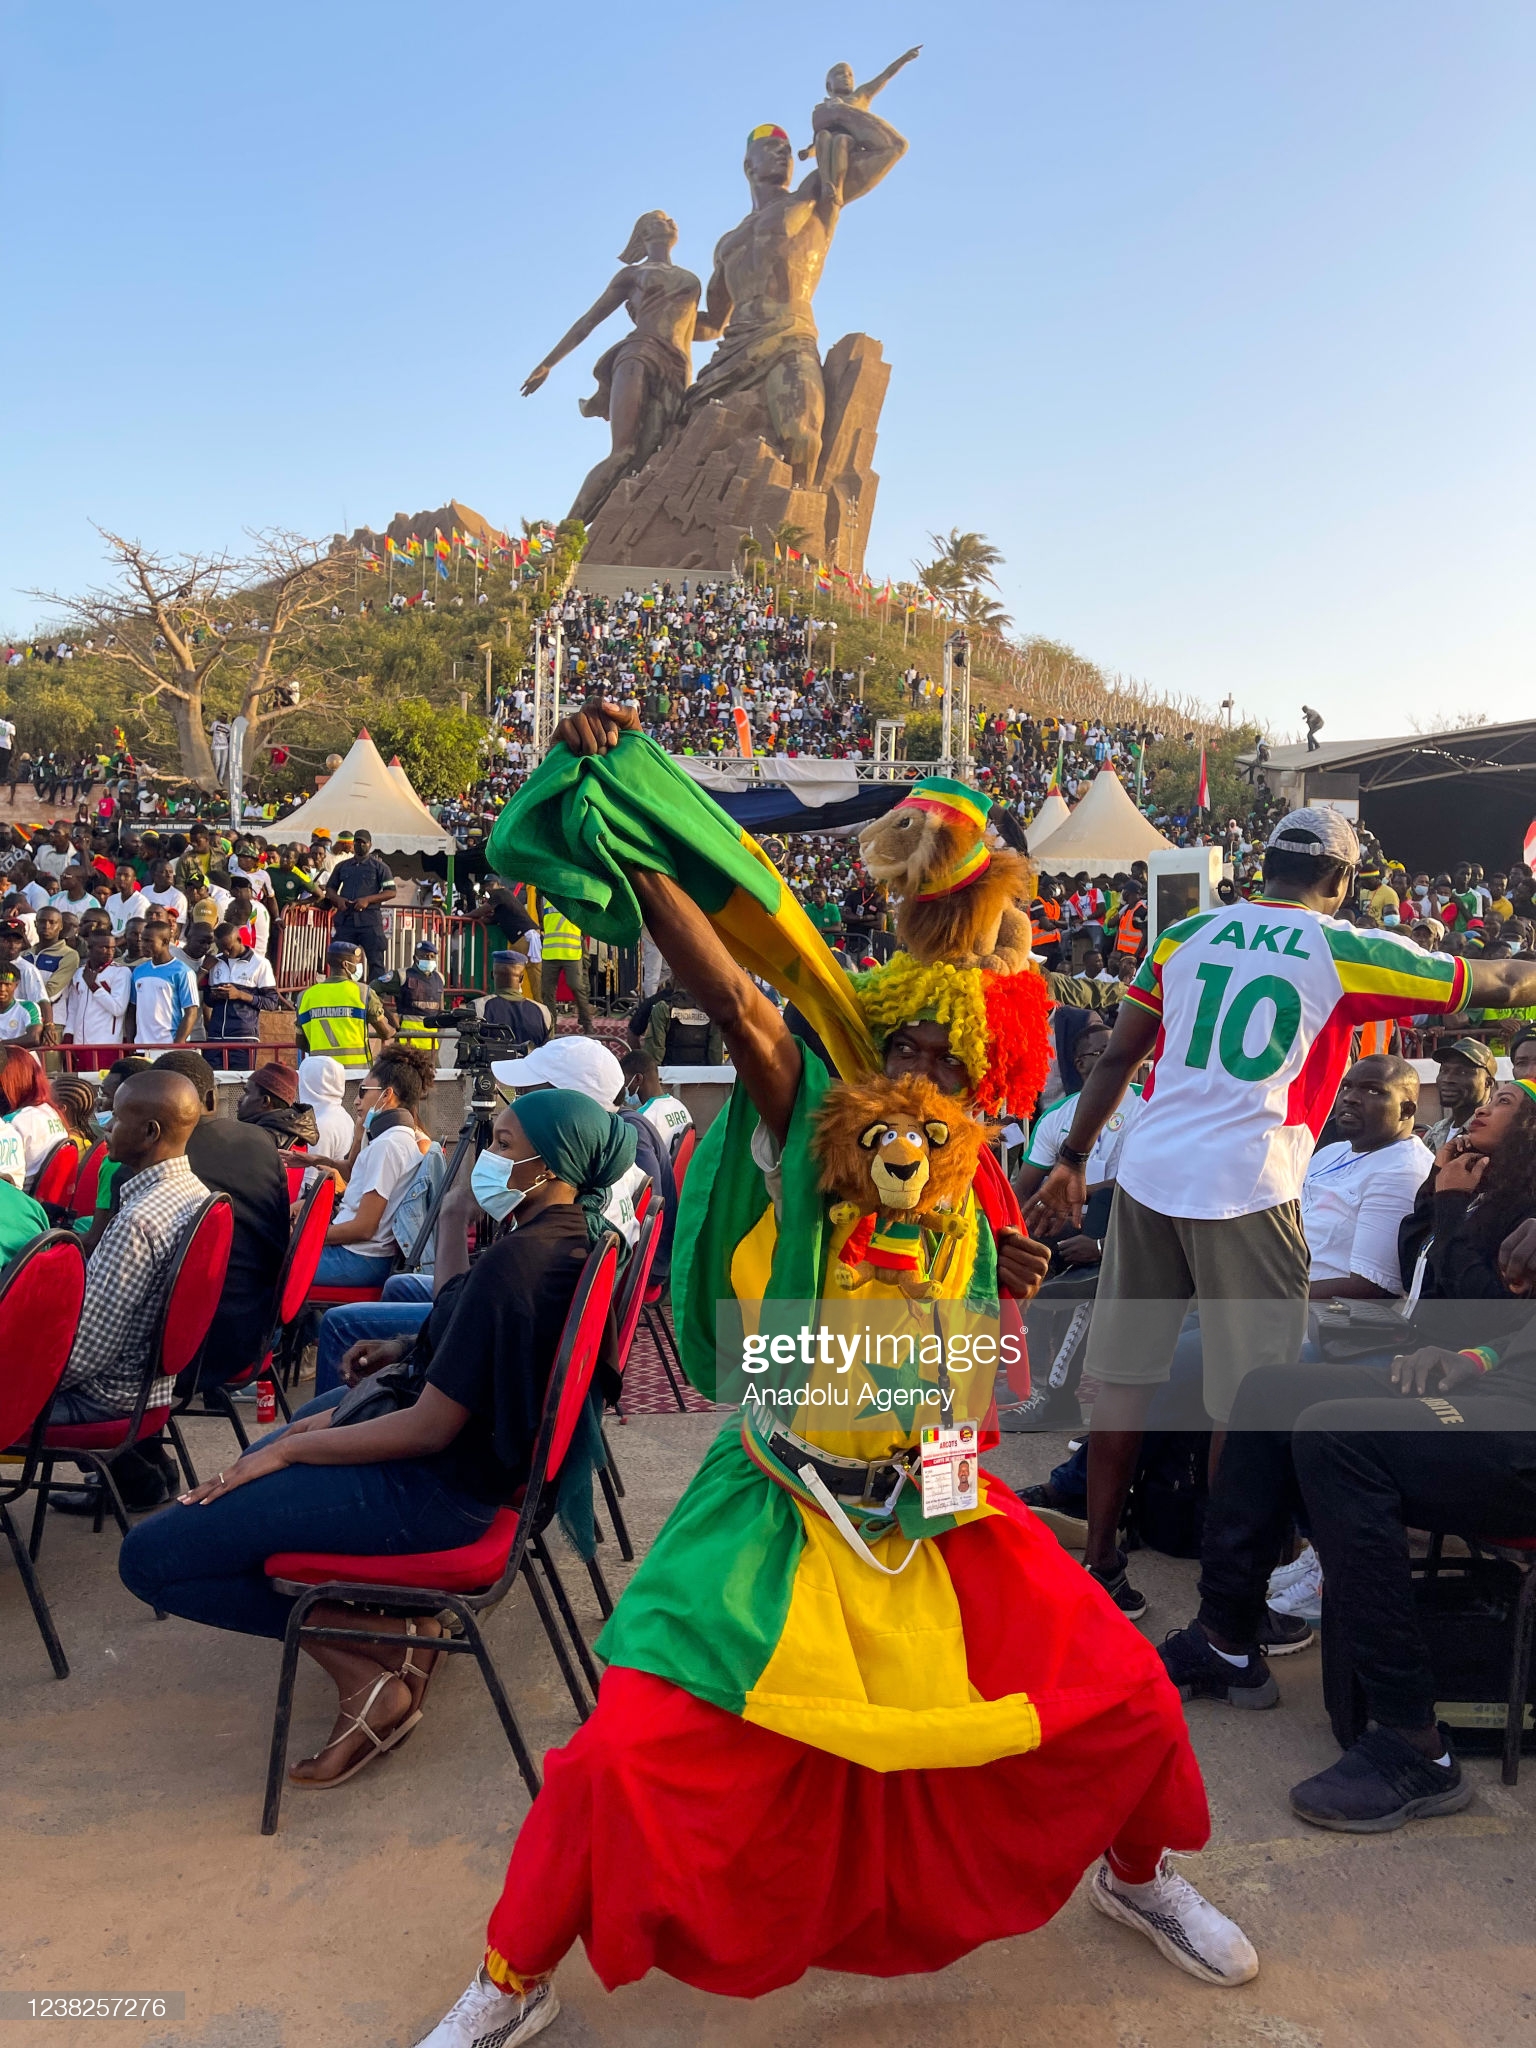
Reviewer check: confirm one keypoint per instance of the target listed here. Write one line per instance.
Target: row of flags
(441, 549)
(862, 586)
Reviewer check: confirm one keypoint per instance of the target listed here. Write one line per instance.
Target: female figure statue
(641, 381)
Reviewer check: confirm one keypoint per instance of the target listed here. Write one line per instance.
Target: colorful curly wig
(996, 1022)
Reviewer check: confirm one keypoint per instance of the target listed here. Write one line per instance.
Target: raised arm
(1501, 984)
(594, 317)
(1060, 1198)
(879, 83)
(762, 1049)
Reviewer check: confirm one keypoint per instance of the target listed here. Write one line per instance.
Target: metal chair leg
(40, 1510)
(283, 1715)
(184, 1456)
(499, 1700)
(1519, 1676)
(34, 1592)
(540, 1550)
(661, 1337)
(613, 1463)
(600, 1587)
(551, 1629)
(608, 1482)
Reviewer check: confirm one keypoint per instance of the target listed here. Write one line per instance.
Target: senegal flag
(579, 825)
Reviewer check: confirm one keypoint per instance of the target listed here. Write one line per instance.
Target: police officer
(336, 1012)
(563, 954)
(355, 890)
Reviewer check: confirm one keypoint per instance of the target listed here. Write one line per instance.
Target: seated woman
(27, 1106)
(75, 1100)
(428, 1477)
(359, 1248)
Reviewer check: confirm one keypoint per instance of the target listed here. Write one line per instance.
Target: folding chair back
(305, 1244)
(643, 1200)
(686, 1145)
(295, 1170)
(54, 1182)
(88, 1181)
(197, 1281)
(630, 1305)
(586, 1324)
(40, 1297)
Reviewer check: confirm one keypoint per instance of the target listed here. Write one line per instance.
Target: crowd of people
(1299, 1280)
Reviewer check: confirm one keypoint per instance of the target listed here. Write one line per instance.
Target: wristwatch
(1071, 1156)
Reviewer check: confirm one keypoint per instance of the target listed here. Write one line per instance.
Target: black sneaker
(1200, 1672)
(1132, 1605)
(1379, 1784)
(1282, 1635)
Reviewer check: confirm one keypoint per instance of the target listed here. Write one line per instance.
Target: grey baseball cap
(1314, 830)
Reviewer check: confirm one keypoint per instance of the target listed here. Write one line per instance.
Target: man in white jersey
(1248, 1011)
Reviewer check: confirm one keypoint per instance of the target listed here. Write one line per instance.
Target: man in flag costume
(838, 1728)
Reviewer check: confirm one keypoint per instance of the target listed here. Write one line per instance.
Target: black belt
(870, 1484)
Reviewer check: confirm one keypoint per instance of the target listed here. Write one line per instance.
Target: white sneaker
(1182, 1926)
(1297, 1588)
(488, 2017)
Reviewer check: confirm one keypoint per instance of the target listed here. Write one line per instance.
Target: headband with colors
(767, 129)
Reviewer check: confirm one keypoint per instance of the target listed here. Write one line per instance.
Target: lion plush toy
(899, 1156)
(960, 898)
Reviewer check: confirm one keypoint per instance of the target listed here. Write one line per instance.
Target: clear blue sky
(1217, 318)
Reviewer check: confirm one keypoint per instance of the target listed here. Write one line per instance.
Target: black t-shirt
(242, 1162)
(510, 919)
(363, 875)
(493, 1338)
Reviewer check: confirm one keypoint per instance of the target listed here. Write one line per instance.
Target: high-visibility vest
(562, 939)
(333, 1018)
(1044, 924)
(1128, 935)
(1377, 1035)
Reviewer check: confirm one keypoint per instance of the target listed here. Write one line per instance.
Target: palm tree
(971, 556)
(787, 535)
(941, 580)
(984, 614)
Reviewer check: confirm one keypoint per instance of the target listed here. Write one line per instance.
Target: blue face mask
(490, 1183)
(632, 1100)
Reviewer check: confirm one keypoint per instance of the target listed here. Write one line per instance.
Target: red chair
(54, 1182)
(306, 1241)
(643, 1200)
(88, 1181)
(468, 1582)
(40, 1298)
(295, 1171)
(628, 1310)
(687, 1144)
(192, 1294)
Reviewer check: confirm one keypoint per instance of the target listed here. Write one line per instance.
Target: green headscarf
(579, 1142)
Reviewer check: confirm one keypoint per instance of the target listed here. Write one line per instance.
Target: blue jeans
(340, 1266)
(341, 1328)
(207, 1563)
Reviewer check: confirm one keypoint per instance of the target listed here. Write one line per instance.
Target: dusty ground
(131, 1861)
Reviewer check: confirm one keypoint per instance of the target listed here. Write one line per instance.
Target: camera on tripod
(479, 1044)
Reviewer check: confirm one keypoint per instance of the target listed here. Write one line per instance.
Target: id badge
(951, 1473)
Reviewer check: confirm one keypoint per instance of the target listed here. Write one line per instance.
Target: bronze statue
(643, 379)
(767, 269)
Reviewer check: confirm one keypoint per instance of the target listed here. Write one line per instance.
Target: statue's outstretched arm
(879, 83)
(594, 316)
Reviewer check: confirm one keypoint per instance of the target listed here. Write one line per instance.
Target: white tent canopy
(1105, 832)
(365, 796)
(1052, 814)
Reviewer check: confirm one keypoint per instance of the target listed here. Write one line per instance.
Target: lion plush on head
(900, 1157)
(960, 899)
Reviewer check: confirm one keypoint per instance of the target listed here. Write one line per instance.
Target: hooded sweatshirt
(322, 1085)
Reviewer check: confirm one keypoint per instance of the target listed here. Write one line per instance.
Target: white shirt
(252, 970)
(122, 908)
(667, 1118)
(1352, 1203)
(167, 899)
(1258, 1003)
(79, 905)
(13, 1156)
(30, 985)
(1050, 1133)
(49, 860)
(619, 1209)
(384, 1167)
(41, 1129)
(95, 1016)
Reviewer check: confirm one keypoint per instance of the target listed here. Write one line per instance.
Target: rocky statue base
(719, 480)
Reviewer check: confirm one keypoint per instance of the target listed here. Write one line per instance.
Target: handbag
(1354, 1329)
(381, 1393)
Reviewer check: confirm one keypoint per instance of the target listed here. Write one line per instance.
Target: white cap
(570, 1061)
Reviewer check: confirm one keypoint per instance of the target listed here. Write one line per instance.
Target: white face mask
(357, 970)
(489, 1183)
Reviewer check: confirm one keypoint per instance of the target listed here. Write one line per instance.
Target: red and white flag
(1204, 798)
(1530, 842)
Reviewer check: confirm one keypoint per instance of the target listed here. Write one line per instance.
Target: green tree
(970, 557)
(440, 749)
(50, 717)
